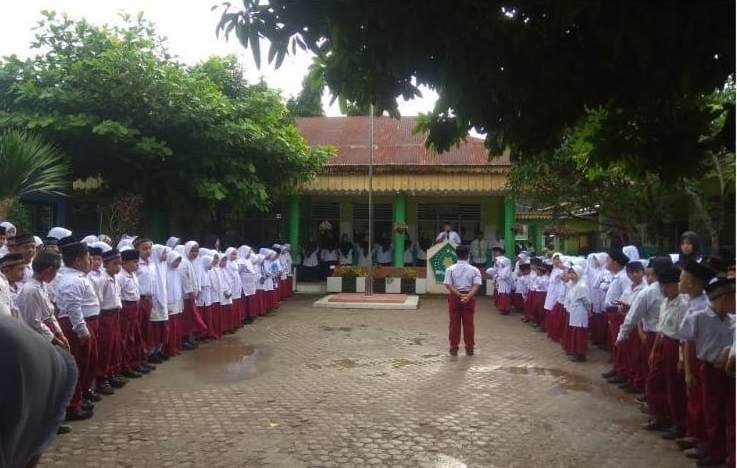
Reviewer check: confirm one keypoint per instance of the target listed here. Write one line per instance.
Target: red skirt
(251, 306)
(577, 340)
(217, 320)
(599, 329)
(227, 314)
(260, 302)
(563, 325)
(555, 318)
(130, 335)
(519, 301)
(173, 345)
(158, 333)
(504, 302)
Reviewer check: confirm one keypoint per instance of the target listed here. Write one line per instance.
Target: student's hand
(643, 335)
(651, 359)
(721, 362)
(680, 369)
(729, 366)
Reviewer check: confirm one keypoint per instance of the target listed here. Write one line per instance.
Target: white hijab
(578, 288)
(173, 281)
(161, 269)
(59, 232)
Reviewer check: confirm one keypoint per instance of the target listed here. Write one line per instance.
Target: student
(158, 325)
(79, 310)
(409, 252)
(616, 263)
(310, 262)
(205, 299)
(365, 258)
(448, 234)
(247, 273)
(234, 280)
(192, 323)
(216, 295)
(174, 303)
(109, 359)
(521, 287)
(532, 291)
(665, 389)
(12, 269)
(558, 317)
(694, 277)
(258, 262)
(24, 244)
(689, 248)
(596, 274)
(479, 252)
(147, 283)
(555, 289)
(132, 362)
(629, 344)
(286, 261)
(345, 251)
(35, 307)
(708, 331)
(463, 282)
(578, 305)
(501, 273)
(328, 257)
(539, 313)
(383, 252)
(226, 297)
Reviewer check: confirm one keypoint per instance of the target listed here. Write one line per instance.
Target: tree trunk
(703, 213)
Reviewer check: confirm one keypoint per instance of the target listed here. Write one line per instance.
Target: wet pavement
(313, 387)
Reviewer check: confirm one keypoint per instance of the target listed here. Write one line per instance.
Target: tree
(309, 101)
(197, 143)
(521, 72)
(29, 165)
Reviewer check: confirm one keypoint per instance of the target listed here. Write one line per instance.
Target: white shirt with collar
(36, 310)
(109, 292)
(128, 284)
(462, 276)
(76, 299)
(146, 274)
(709, 332)
(450, 236)
(619, 283)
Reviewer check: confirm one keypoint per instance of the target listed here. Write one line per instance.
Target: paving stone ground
(313, 387)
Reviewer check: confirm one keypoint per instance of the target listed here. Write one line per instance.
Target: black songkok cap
(50, 241)
(11, 259)
(95, 251)
(719, 286)
(699, 270)
(48, 259)
(536, 261)
(65, 241)
(618, 256)
(2, 230)
(110, 254)
(669, 275)
(130, 254)
(20, 239)
(74, 249)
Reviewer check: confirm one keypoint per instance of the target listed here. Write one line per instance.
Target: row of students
(668, 323)
(120, 311)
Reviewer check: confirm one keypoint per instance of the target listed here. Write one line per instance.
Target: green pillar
(294, 224)
(400, 217)
(508, 222)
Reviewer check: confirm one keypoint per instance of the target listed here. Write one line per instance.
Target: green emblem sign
(442, 259)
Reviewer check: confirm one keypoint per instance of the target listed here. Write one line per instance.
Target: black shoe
(80, 415)
(88, 405)
(469, 352)
(673, 433)
(64, 429)
(624, 386)
(132, 374)
(454, 352)
(641, 400)
(142, 370)
(685, 443)
(609, 375)
(92, 396)
(617, 379)
(104, 388)
(248, 320)
(163, 356)
(709, 462)
(655, 425)
(695, 453)
(577, 357)
(155, 359)
(118, 382)
(187, 346)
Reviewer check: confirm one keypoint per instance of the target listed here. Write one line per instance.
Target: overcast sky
(189, 26)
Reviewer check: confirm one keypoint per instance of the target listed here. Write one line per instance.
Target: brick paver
(333, 388)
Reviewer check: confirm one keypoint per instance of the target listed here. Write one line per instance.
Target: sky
(189, 26)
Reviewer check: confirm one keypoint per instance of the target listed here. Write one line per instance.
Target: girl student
(233, 278)
(578, 304)
(247, 272)
(174, 303)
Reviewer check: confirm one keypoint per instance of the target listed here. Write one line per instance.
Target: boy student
(34, 306)
(665, 390)
(463, 282)
(24, 244)
(694, 277)
(630, 346)
(12, 267)
(109, 338)
(615, 264)
(132, 349)
(146, 274)
(709, 331)
(79, 309)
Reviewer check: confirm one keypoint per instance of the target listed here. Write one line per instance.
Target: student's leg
(714, 386)
(675, 384)
(467, 315)
(454, 322)
(656, 391)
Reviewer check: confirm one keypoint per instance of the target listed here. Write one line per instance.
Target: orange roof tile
(394, 143)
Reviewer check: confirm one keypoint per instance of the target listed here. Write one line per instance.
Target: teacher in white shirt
(448, 234)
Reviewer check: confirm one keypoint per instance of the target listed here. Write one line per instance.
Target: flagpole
(369, 290)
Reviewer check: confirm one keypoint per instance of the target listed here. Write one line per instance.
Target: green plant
(409, 273)
(349, 271)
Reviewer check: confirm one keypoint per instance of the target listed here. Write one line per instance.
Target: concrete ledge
(360, 301)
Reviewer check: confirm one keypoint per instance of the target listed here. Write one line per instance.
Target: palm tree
(29, 164)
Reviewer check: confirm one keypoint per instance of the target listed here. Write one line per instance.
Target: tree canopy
(199, 140)
(522, 72)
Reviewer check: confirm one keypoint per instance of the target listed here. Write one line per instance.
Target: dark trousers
(716, 388)
(85, 355)
(131, 341)
(461, 315)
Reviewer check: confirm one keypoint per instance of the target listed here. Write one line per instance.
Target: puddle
(563, 381)
(231, 360)
(345, 363)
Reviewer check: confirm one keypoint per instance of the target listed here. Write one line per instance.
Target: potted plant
(344, 278)
(409, 281)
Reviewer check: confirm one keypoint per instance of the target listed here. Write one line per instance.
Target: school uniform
(620, 282)
(556, 287)
(109, 339)
(79, 310)
(261, 301)
(710, 333)
(158, 325)
(36, 310)
(226, 301)
(216, 294)
(531, 284)
(479, 253)
(192, 323)
(328, 258)
(310, 264)
(558, 318)
(383, 255)
(132, 349)
(578, 306)
(146, 275)
(501, 273)
(627, 352)
(286, 258)
(365, 258)
(174, 304)
(539, 294)
(463, 277)
(409, 256)
(451, 236)
(204, 300)
(597, 276)
(520, 291)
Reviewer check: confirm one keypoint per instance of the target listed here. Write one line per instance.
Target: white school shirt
(709, 332)
(36, 310)
(329, 255)
(248, 277)
(128, 283)
(451, 236)
(672, 312)
(695, 304)
(346, 259)
(27, 273)
(556, 287)
(578, 312)
(409, 256)
(364, 260)
(206, 291)
(76, 299)
(311, 260)
(421, 254)
(109, 292)
(521, 284)
(146, 274)
(645, 309)
(226, 294)
(462, 275)
(6, 303)
(383, 256)
(616, 288)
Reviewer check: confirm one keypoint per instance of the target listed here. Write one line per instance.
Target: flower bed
(407, 280)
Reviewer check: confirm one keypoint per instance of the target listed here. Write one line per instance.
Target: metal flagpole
(369, 276)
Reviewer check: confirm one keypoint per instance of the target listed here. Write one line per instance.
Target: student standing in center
(463, 282)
